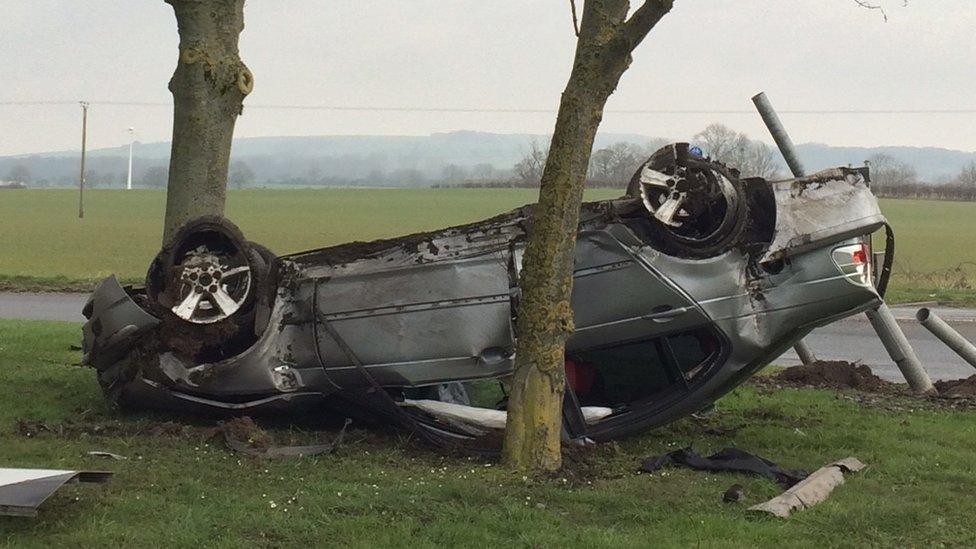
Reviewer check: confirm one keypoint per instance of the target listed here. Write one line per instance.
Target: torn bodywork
(684, 287)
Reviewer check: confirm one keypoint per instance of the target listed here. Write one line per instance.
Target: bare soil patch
(957, 388)
(834, 374)
(857, 383)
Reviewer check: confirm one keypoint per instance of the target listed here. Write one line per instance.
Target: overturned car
(683, 288)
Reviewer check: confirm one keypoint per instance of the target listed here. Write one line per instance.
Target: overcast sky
(499, 54)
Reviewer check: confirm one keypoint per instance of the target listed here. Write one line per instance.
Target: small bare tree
(208, 86)
(155, 177)
(723, 144)
(616, 163)
(967, 176)
(528, 170)
(606, 38)
(19, 173)
(761, 161)
(887, 171)
(736, 150)
(240, 174)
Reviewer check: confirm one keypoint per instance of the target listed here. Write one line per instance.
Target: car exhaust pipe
(947, 334)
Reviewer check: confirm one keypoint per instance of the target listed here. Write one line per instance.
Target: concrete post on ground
(804, 352)
(940, 329)
(899, 349)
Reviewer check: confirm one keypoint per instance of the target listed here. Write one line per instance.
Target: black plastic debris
(726, 460)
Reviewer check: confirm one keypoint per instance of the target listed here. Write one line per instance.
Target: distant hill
(932, 163)
(409, 160)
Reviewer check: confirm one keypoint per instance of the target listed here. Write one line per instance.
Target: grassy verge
(54, 283)
(901, 293)
(382, 490)
(45, 247)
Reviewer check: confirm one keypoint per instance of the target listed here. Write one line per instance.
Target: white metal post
(128, 180)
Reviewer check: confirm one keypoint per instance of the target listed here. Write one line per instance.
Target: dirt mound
(834, 374)
(957, 388)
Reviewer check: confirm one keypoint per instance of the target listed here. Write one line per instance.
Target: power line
(464, 110)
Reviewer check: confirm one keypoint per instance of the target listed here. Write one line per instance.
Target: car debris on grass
(810, 491)
(22, 491)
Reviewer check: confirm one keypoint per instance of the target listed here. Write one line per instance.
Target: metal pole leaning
(899, 349)
(785, 145)
(776, 129)
(940, 329)
(882, 320)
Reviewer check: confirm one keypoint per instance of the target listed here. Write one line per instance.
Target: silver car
(684, 287)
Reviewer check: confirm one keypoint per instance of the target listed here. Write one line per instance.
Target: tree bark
(545, 316)
(208, 87)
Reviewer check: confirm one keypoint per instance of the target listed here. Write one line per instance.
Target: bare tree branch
(572, 6)
(644, 19)
(879, 6)
(869, 6)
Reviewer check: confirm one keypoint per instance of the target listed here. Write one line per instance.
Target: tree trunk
(208, 86)
(545, 316)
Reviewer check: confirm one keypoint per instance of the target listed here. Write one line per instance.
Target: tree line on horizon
(610, 167)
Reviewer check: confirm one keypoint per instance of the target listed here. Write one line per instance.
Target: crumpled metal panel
(22, 491)
(114, 324)
(817, 210)
(419, 324)
(618, 297)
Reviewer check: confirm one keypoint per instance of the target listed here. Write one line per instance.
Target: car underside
(684, 287)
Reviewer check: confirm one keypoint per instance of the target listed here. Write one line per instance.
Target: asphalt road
(42, 306)
(853, 339)
(850, 339)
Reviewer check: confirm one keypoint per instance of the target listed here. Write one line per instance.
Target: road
(854, 339)
(850, 339)
(42, 306)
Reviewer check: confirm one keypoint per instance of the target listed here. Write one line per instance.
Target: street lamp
(128, 180)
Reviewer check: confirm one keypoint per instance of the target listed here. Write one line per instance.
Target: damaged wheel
(697, 207)
(210, 276)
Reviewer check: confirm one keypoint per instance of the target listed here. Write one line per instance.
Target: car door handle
(665, 313)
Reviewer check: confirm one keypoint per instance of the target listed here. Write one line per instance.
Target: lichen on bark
(208, 86)
(545, 318)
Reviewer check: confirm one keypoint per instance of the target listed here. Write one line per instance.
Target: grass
(382, 490)
(45, 246)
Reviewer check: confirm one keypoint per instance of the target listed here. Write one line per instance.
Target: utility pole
(128, 180)
(81, 177)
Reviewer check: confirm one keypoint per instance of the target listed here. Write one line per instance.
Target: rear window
(693, 351)
(639, 371)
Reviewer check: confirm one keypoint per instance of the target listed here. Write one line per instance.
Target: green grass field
(383, 490)
(43, 243)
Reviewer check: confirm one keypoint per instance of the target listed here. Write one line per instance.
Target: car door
(640, 341)
(617, 297)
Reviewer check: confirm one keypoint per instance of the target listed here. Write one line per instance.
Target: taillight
(854, 260)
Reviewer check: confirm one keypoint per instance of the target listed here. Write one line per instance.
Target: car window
(619, 375)
(693, 351)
